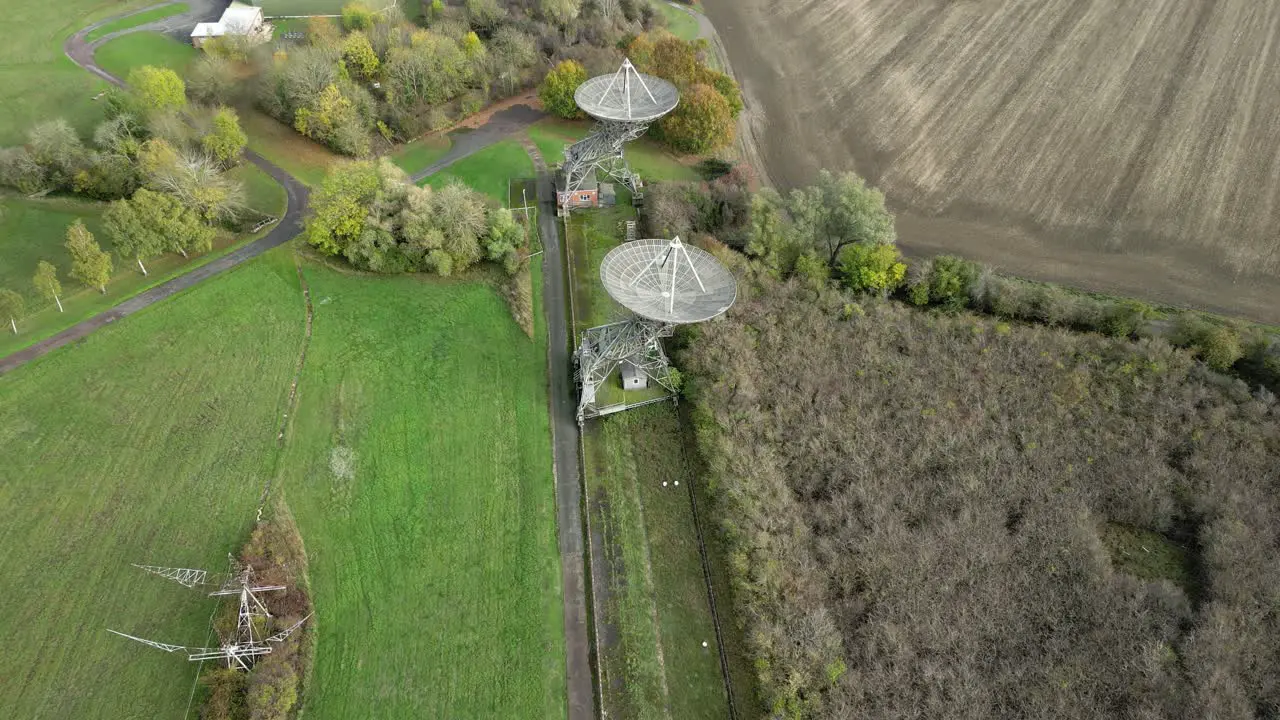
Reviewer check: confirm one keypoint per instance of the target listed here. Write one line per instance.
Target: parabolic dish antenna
(668, 281)
(627, 96)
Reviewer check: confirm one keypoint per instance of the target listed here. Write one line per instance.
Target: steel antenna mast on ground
(246, 644)
(665, 283)
(624, 104)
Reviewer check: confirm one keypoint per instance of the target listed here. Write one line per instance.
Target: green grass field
(32, 230)
(148, 442)
(433, 556)
(417, 464)
(38, 82)
(488, 170)
(679, 23)
(120, 55)
(419, 154)
(647, 158)
(141, 18)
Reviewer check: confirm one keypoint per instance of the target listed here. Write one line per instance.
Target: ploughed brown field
(1129, 147)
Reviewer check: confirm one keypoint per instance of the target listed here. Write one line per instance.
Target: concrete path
(501, 125)
(568, 470)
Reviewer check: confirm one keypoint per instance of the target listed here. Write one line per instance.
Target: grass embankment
(135, 20)
(661, 601)
(419, 469)
(310, 7)
(650, 160)
(120, 55)
(32, 230)
(148, 442)
(418, 155)
(300, 157)
(37, 81)
(488, 171)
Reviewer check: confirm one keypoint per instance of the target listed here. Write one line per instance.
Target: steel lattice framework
(602, 349)
(241, 649)
(624, 105)
(665, 283)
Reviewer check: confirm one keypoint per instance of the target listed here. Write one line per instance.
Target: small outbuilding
(238, 19)
(632, 377)
(587, 196)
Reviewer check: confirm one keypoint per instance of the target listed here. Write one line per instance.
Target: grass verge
(418, 155)
(305, 160)
(141, 18)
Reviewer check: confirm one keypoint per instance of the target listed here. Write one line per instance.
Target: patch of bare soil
(1122, 147)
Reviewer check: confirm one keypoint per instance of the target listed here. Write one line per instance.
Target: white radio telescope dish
(668, 281)
(627, 96)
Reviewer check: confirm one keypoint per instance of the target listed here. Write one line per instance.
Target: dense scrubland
(937, 514)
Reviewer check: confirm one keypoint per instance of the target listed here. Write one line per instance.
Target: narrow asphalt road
(81, 53)
(568, 470)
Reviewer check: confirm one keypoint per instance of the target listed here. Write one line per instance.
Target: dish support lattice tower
(602, 349)
(602, 150)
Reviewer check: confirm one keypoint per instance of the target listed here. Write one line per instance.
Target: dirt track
(1131, 148)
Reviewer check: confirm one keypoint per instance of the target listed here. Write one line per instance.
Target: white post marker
(704, 643)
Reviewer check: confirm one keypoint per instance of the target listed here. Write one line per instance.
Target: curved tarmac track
(81, 53)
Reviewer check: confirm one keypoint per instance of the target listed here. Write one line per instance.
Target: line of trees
(90, 265)
(838, 232)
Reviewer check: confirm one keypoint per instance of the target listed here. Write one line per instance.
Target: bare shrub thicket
(916, 505)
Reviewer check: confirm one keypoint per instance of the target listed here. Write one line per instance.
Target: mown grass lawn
(488, 171)
(646, 157)
(148, 442)
(38, 82)
(419, 154)
(418, 466)
(137, 19)
(120, 55)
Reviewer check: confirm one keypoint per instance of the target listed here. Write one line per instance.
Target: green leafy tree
(357, 16)
(359, 56)
(504, 240)
(840, 210)
(812, 270)
(702, 122)
(872, 268)
(557, 89)
(135, 230)
(89, 263)
(340, 206)
(769, 235)
(485, 15)
(157, 88)
(225, 141)
(13, 307)
(951, 281)
(46, 282)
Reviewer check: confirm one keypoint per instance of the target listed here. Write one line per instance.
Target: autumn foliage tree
(89, 263)
(225, 140)
(702, 122)
(157, 89)
(557, 89)
(709, 100)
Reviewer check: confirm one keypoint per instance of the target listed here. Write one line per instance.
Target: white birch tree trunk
(144, 267)
(55, 299)
(13, 325)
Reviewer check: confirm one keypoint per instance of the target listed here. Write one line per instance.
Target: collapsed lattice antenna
(244, 646)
